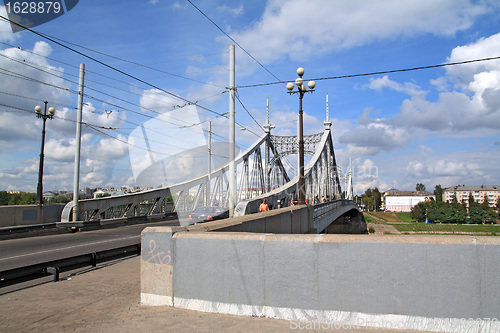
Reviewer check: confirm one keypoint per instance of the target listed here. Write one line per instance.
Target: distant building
(109, 192)
(403, 201)
(49, 195)
(481, 193)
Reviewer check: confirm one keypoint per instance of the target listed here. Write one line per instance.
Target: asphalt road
(21, 252)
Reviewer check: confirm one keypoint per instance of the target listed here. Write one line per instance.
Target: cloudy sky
(431, 126)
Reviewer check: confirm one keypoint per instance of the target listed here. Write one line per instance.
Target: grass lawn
(459, 228)
(384, 217)
(406, 217)
(412, 226)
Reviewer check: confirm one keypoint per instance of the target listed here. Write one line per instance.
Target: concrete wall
(288, 220)
(28, 214)
(407, 282)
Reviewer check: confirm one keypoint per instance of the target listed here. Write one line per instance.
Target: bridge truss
(257, 178)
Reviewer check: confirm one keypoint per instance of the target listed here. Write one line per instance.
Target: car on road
(208, 213)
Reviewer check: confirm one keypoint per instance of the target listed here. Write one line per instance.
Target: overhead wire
(105, 65)
(35, 66)
(131, 62)
(120, 71)
(232, 39)
(92, 97)
(239, 100)
(94, 126)
(380, 72)
(244, 50)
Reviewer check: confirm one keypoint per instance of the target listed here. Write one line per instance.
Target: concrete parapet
(17, 215)
(404, 282)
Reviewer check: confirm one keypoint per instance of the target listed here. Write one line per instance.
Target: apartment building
(491, 193)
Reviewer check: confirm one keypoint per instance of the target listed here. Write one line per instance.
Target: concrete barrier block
(291, 271)
(222, 269)
(157, 266)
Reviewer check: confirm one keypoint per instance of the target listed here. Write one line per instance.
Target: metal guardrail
(24, 228)
(58, 227)
(322, 209)
(55, 267)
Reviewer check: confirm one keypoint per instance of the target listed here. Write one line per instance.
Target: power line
(238, 98)
(95, 128)
(379, 73)
(35, 66)
(105, 65)
(132, 62)
(34, 99)
(118, 70)
(25, 63)
(235, 42)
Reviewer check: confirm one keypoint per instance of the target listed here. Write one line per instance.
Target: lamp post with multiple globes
(301, 90)
(44, 116)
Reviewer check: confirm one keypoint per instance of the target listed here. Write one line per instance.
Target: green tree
(27, 199)
(490, 216)
(368, 199)
(15, 199)
(4, 198)
(372, 199)
(459, 211)
(472, 201)
(368, 202)
(60, 198)
(438, 192)
(498, 206)
(476, 214)
(437, 212)
(377, 198)
(418, 212)
(420, 187)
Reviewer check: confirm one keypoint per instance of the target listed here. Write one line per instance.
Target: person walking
(263, 206)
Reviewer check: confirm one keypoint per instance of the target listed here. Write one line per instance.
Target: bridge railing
(323, 209)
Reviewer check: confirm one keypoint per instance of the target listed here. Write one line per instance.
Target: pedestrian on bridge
(263, 206)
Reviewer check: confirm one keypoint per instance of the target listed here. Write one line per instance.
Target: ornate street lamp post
(44, 116)
(301, 90)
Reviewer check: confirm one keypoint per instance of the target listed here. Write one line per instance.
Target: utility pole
(208, 203)
(76, 179)
(232, 170)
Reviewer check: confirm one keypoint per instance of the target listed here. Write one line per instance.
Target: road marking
(68, 248)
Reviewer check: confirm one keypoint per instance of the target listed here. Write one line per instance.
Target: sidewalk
(108, 300)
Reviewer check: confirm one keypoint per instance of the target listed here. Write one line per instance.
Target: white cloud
(235, 11)
(16, 62)
(371, 137)
(335, 25)
(483, 48)
(366, 175)
(409, 88)
(20, 130)
(6, 33)
(476, 103)
(416, 168)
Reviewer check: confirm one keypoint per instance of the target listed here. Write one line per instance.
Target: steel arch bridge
(257, 178)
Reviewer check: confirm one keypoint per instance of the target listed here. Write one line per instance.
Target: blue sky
(433, 126)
